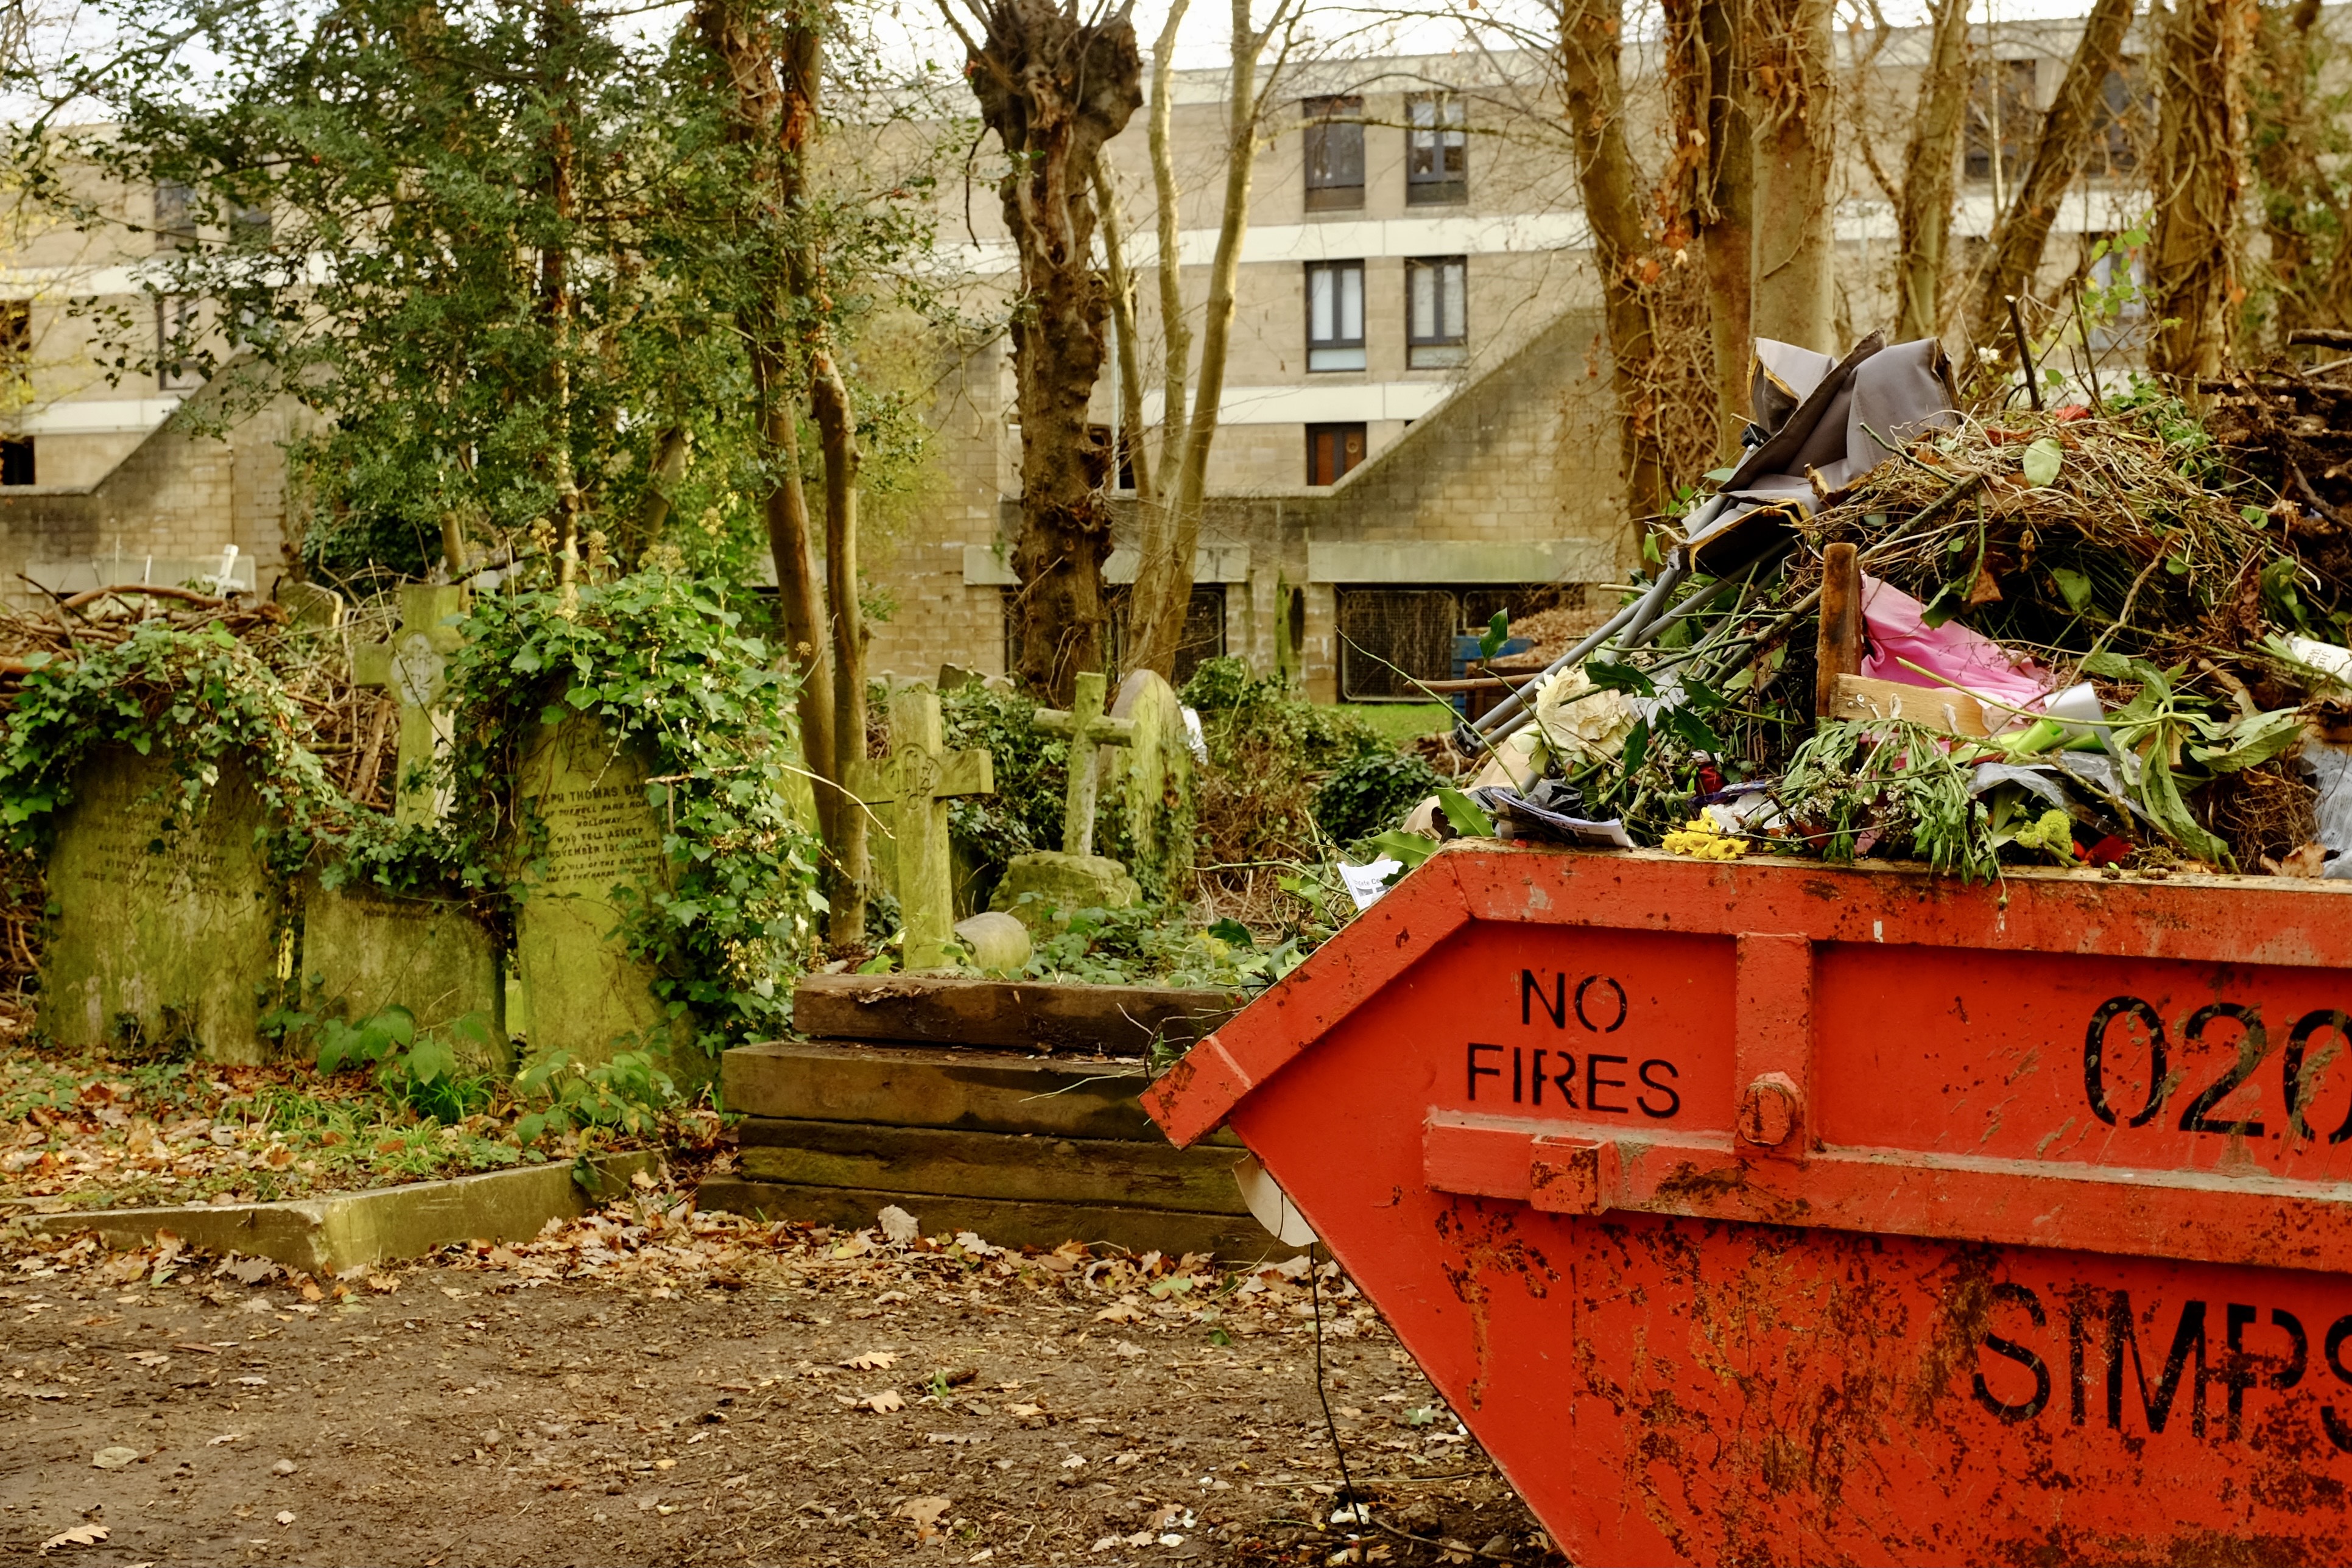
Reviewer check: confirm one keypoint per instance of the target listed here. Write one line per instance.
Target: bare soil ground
(654, 1385)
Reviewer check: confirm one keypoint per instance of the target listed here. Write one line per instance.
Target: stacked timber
(1007, 1108)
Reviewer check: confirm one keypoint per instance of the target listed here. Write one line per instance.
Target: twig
(2024, 353)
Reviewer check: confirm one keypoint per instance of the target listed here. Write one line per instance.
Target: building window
(175, 344)
(1437, 149)
(1335, 154)
(2002, 122)
(176, 218)
(1331, 451)
(1436, 311)
(16, 461)
(1335, 315)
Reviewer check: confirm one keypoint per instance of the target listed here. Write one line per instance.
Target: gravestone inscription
(170, 929)
(581, 990)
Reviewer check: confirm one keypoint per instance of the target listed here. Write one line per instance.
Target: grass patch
(1398, 723)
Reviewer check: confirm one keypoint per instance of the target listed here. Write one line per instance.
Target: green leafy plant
(420, 1067)
(627, 1094)
(1374, 792)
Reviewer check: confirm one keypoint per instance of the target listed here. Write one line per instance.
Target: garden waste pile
(2108, 635)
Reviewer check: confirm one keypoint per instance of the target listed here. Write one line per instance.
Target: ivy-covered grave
(536, 887)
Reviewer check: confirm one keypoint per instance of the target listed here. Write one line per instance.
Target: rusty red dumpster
(1765, 1212)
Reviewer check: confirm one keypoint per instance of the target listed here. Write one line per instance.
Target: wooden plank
(1004, 1015)
(1237, 1239)
(1859, 697)
(935, 1086)
(947, 1162)
(1838, 650)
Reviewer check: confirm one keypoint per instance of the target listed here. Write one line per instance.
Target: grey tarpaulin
(1826, 422)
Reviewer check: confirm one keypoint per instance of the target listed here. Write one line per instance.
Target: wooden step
(1004, 1015)
(929, 1086)
(1000, 1222)
(948, 1163)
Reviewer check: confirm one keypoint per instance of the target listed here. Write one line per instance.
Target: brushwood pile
(2109, 634)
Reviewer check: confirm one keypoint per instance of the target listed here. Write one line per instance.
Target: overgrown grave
(1138, 753)
(1008, 1108)
(170, 930)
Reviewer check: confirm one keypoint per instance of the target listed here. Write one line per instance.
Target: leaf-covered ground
(86, 1132)
(652, 1385)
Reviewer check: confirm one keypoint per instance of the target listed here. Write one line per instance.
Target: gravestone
(916, 781)
(414, 666)
(164, 939)
(364, 950)
(1138, 752)
(1151, 779)
(580, 990)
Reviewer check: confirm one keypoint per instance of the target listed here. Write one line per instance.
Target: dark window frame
(1436, 150)
(19, 462)
(1333, 150)
(2007, 90)
(1338, 343)
(1437, 349)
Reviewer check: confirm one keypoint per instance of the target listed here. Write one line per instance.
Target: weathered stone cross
(1089, 732)
(414, 666)
(918, 777)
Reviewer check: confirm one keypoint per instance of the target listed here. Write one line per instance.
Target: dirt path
(655, 1386)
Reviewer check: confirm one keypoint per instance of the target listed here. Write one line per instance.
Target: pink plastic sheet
(1900, 638)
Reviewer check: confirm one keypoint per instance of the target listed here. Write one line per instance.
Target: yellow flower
(1702, 839)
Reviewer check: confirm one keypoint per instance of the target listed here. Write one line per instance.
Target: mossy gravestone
(581, 990)
(170, 925)
(363, 951)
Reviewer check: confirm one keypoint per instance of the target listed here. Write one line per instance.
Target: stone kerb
(580, 989)
(164, 939)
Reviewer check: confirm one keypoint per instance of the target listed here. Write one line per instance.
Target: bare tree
(1923, 214)
(1794, 137)
(1172, 531)
(1053, 85)
(1614, 208)
(2201, 179)
(772, 64)
(1713, 148)
(2068, 133)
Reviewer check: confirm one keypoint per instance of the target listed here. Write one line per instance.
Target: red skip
(1760, 1212)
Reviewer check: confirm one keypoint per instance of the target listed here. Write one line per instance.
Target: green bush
(1373, 793)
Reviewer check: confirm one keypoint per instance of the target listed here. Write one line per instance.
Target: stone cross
(414, 666)
(1089, 732)
(918, 777)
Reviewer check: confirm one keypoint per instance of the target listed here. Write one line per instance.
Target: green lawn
(1400, 722)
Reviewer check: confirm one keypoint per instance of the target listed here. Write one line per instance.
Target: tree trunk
(1175, 333)
(2022, 230)
(1130, 444)
(2200, 178)
(558, 22)
(1713, 178)
(1613, 208)
(1792, 131)
(1923, 222)
(1163, 583)
(1053, 89)
(670, 453)
(771, 73)
(837, 429)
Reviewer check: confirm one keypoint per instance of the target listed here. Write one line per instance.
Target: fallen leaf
(383, 1283)
(1025, 1412)
(882, 1404)
(899, 1225)
(154, 1358)
(253, 1382)
(224, 1438)
(284, 1517)
(1120, 1312)
(79, 1535)
(872, 1361)
(114, 1458)
(925, 1513)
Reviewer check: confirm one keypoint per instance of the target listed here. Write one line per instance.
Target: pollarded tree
(1055, 85)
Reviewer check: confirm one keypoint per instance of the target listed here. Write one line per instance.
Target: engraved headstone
(581, 990)
(171, 928)
(414, 666)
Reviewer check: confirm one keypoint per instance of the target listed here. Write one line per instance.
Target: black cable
(1315, 1295)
